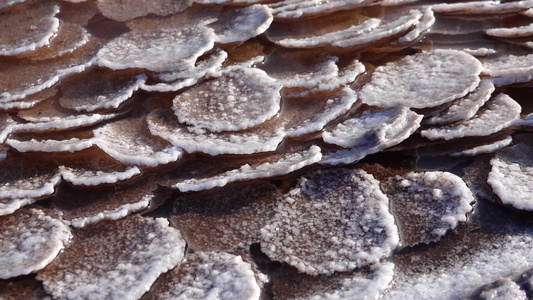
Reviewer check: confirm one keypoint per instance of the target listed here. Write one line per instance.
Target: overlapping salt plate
(507, 69)
(209, 275)
(312, 113)
(295, 9)
(503, 288)
(68, 38)
(28, 27)
(427, 204)
(80, 207)
(261, 138)
(7, 124)
(80, 176)
(163, 49)
(96, 266)
(510, 176)
(426, 79)
(99, 89)
(130, 142)
(464, 108)
(8, 3)
(239, 25)
(288, 163)
(487, 148)
(425, 23)
(497, 114)
(128, 10)
(241, 98)
(47, 145)
(227, 219)
(334, 220)
(29, 240)
(28, 101)
(482, 7)
(369, 132)
(511, 32)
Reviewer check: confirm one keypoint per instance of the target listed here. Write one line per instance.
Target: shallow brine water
(240, 149)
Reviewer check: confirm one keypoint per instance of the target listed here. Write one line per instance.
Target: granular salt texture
(83, 177)
(262, 138)
(97, 265)
(289, 163)
(225, 219)
(511, 32)
(503, 289)
(482, 7)
(164, 49)
(129, 141)
(27, 27)
(80, 207)
(295, 9)
(120, 10)
(47, 145)
(497, 114)
(334, 220)
(310, 114)
(29, 240)
(241, 98)
(99, 89)
(466, 107)
(239, 25)
(487, 148)
(426, 79)
(209, 275)
(427, 204)
(507, 69)
(510, 176)
(371, 131)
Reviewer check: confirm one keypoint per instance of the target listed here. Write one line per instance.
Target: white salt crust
(60, 123)
(283, 166)
(488, 148)
(105, 270)
(369, 133)
(27, 28)
(294, 9)
(130, 9)
(497, 114)
(29, 241)
(482, 7)
(504, 289)
(35, 187)
(129, 141)
(508, 69)
(82, 177)
(466, 107)
(33, 145)
(254, 140)
(427, 204)
(425, 23)
(242, 24)
(426, 79)
(241, 98)
(512, 32)
(8, 3)
(510, 176)
(334, 220)
(165, 49)
(210, 275)
(7, 124)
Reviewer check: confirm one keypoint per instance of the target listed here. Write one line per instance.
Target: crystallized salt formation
(482, 7)
(261, 138)
(512, 32)
(242, 24)
(504, 288)
(27, 27)
(243, 97)
(497, 114)
(226, 219)
(426, 79)
(99, 89)
(130, 142)
(510, 176)
(368, 132)
(486, 148)
(294, 9)
(96, 266)
(34, 145)
(130, 9)
(335, 220)
(427, 204)
(508, 69)
(163, 49)
(80, 176)
(209, 275)
(29, 240)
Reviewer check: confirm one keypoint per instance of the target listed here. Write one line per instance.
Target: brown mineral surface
(266, 149)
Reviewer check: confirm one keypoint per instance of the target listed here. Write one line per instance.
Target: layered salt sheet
(30, 240)
(508, 69)
(131, 9)
(107, 271)
(209, 275)
(332, 221)
(427, 205)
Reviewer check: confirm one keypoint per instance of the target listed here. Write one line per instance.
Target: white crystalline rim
(59, 237)
(489, 148)
(513, 69)
(48, 188)
(8, 3)
(293, 9)
(114, 214)
(71, 145)
(426, 21)
(14, 204)
(480, 7)
(283, 166)
(98, 177)
(44, 124)
(511, 32)
(261, 18)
